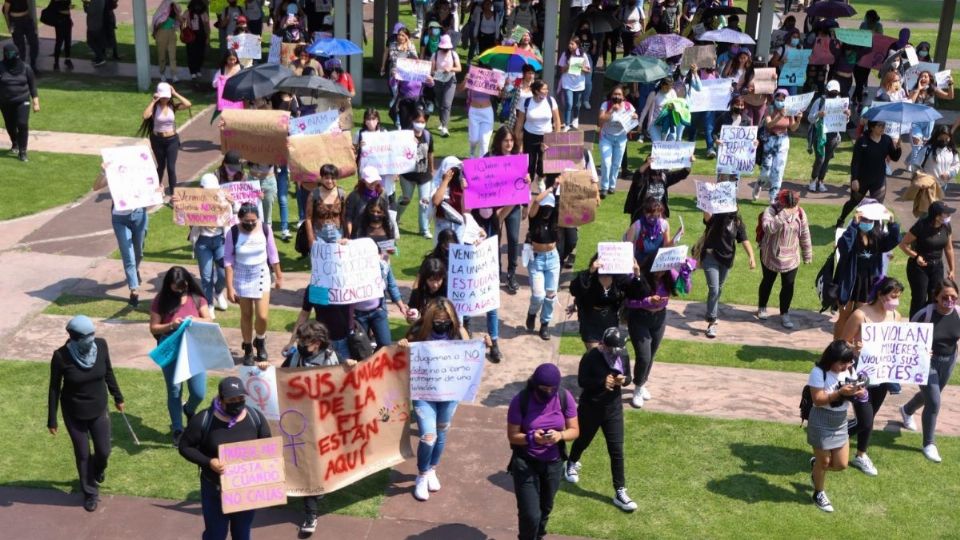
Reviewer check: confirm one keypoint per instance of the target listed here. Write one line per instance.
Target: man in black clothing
(868, 173)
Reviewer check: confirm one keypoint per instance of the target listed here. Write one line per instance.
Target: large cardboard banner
(247, 46)
(253, 475)
(412, 70)
(615, 257)
(244, 192)
(737, 154)
(714, 95)
(341, 425)
(391, 152)
(858, 38)
(486, 81)
(564, 151)
(577, 199)
(132, 177)
(261, 388)
(259, 136)
(202, 349)
(718, 198)
(473, 277)
(896, 352)
(310, 152)
(794, 69)
(878, 52)
(446, 370)
(764, 80)
(834, 117)
(201, 207)
(671, 155)
(704, 56)
(316, 123)
(496, 181)
(345, 273)
(795, 105)
(341, 104)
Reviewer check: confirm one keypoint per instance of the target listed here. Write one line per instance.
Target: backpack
(825, 285)
(524, 402)
(526, 104)
(235, 232)
(806, 401)
(208, 421)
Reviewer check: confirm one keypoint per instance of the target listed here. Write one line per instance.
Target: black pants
(535, 484)
(512, 225)
(16, 116)
(89, 467)
(485, 41)
(862, 427)
(922, 282)
(821, 163)
(876, 191)
(860, 77)
(532, 146)
(646, 330)
(97, 42)
(64, 33)
(25, 34)
(196, 53)
(787, 280)
(609, 418)
(311, 505)
(165, 149)
(567, 242)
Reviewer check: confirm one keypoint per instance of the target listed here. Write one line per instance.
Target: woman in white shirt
(574, 64)
(615, 113)
(536, 116)
(653, 106)
(940, 159)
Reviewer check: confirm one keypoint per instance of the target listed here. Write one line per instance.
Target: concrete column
(550, 31)
(947, 18)
(566, 22)
(380, 30)
(753, 11)
(766, 20)
(340, 8)
(356, 61)
(393, 14)
(141, 35)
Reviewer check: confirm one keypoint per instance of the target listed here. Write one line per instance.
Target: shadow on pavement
(452, 530)
(41, 492)
(502, 479)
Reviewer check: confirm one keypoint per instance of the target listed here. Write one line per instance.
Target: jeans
(922, 282)
(787, 280)
(609, 418)
(130, 231)
(536, 484)
(16, 117)
(302, 194)
(213, 277)
(646, 330)
(512, 224)
(216, 524)
(929, 395)
(820, 163)
(433, 422)
(567, 243)
(283, 194)
(716, 274)
(269, 188)
(89, 467)
(706, 120)
(375, 320)
(920, 132)
(544, 269)
(423, 217)
(198, 389)
(341, 348)
(24, 34)
(443, 97)
(165, 149)
(774, 164)
(571, 105)
(493, 323)
(611, 155)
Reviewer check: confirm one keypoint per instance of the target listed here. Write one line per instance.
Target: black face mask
(942, 144)
(375, 219)
(735, 110)
(616, 99)
(442, 327)
(248, 226)
(304, 350)
(233, 409)
(833, 94)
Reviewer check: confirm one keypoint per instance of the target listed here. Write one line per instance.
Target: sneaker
(213, 315)
(23, 156)
(637, 401)
(103, 62)
(894, 388)
(101, 478)
(220, 302)
(645, 393)
(812, 187)
(822, 188)
(176, 437)
(623, 501)
(712, 330)
(603, 194)
(930, 452)
(68, 63)
(420, 490)
(711, 154)
(427, 235)
(864, 464)
(586, 105)
(285, 235)
(786, 321)
(175, 79)
(575, 124)
(444, 132)
(907, 420)
(134, 300)
(756, 190)
(762, 314)
(889, 170)
(564, 128)
(822, 501)
(433, 483)
(571, 473)
(531, 322)
(611, 191)
(309, 525)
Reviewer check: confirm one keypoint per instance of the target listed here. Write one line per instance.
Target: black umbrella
(722, 10)
(600, 21)
(311, 85)
(255, 82)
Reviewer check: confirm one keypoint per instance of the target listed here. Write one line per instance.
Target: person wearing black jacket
(603, 371)
(80, 375)
(868, 167)
(18, 90)
(598, 298)
(232, 421)
(648, 183)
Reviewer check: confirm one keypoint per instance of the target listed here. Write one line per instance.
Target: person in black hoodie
(650, 183)
(604, 370)
(18, 90)
(80, 375)
(868, 167)
(598, 298)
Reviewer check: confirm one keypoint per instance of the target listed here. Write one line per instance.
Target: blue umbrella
(333, 47)
(901, 112)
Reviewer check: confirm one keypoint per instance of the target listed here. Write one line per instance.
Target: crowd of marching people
(239, 264)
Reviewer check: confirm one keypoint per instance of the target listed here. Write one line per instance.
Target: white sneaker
(762, 314)
(822, 188)
(420, 490)
(433, 483)
(220, 302)
(575, 124)
(907, 420)
(637, 401)
(623, 501)
(864, 464)
(564, 128)
(213, 314)
(571, 473)
(175, 79)
(645, 393)
(889, 169)
(712, 330)
(931, 453)
(757, 187)
(812, 187)
(786, 321)
(285, 234)
(822, 501)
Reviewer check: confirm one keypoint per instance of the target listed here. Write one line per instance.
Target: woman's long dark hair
(938, 131)
(502, 133)
(364, 225)
(431, 267)
(226, 56)
(444, 238)
(837, 351)
(885, 285)
(168, 301)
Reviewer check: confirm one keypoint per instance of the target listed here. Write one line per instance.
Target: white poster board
(345, 273)
(670, 258)
(446, 370)
(671, 155)
(132, 177)
(473, 277)
(714, 95)
(316, 123)
(718, 198)
(834, 117)
(391, 152)
(202, 349)
(247, 46)
(795, 105)
(261, 388)
(615, 257)
(737, 153)
(896, 352)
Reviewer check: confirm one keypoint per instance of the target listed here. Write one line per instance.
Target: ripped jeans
(774, 163)
(544, 269)
(433, 422)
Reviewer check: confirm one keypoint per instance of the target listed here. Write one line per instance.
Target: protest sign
(413, 70)
(623, 121)
(202, 348)
(247, 46)
(345, 274)
(858, 38)
(714, 95)
(793, 72)
(201, 207)
(259, 136)
(485, 81)
(564, 151)
(253, 475)
(273, 56)
(391, 152)
(224, 104)
(496, 181)
(132, 177)
(310, 152)
(312, 124)
(473, 277)
(518, 31)
(575, 66)
(261, 388)
(764, 80)
(737, 153)
(911, 53)
(878, 51)
(243, 192)
(341, 104)
(821, 53)
(470, 231)
(577, 199)
(446, 370)
(795, 105)
(615, 257)
(913, 72)
(943, 78)
(671, 155)
(896, 352)
(340, 425)
(834, 117)
(718, 198)
(704, 56)
(671, 258)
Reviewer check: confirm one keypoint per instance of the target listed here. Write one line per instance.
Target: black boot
(512, 285)
(531, 322)
(247, 354)
(545, 331)
(495, 354)
(260, 344)
(69, 64)
(23, 156)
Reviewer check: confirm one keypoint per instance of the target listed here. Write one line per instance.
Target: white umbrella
(727, 36)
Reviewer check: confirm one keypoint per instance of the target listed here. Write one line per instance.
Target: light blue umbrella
(333, 47)
(901, 112)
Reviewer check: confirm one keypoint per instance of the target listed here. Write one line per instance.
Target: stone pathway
(77, 143)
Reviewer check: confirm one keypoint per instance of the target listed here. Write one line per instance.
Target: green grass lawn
(930, 36)
(46, 181)
(897, 10)
(697, 477)
(31, 457)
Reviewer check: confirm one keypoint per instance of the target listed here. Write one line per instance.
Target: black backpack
(524, 401)
(235, 232)
(827, 289)
(806, 404)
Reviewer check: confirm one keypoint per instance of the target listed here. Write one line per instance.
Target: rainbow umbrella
(509, 58)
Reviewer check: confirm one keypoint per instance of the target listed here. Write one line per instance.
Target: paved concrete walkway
(77, 143)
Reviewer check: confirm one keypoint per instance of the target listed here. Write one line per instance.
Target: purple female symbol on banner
(294, 438)
(259, 390)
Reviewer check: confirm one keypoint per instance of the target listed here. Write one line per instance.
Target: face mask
(794, 42)
(736, 110)
(891, 304)
(370, 193)
(418, 126)
(942, 143)
(946, 220)
(442, 327)
(371, 125)
(485, 213)
(923, 53)
(248, 226)
(617, 99)
(435, 31)
(778, 105)
(304, 351)
(544, 396)
(231, 170)
(833, 94)
(650, 220)
(375, 218)
(865, 227)
(233, 409)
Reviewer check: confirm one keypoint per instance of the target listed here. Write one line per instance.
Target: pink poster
(224, 104)
(874, 59)
(821, 53)
(496, 181)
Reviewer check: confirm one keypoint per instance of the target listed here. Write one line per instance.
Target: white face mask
(485, 213)
(418, 126)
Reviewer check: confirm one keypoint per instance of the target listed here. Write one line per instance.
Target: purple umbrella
(831, 9)
(663, 46)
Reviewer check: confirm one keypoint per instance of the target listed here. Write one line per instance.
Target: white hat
(370, 174)
(209, 181)
(833, 86)
(874, 211)
(164, 90)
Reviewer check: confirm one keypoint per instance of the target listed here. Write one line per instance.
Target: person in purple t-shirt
(537, 431)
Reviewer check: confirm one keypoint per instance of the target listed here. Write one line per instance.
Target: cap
(231, 158)
(833, 86)
(939, 208)
(333, 63)
(612, 338)
(292, 8)
(164, 90)
(445, 42)
(398, 27)
(231, 387)
(370, 174)
(434, 24)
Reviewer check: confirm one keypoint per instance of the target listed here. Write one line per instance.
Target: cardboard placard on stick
(564, 151)
(341, 104)
(259, 136)
(764, 80)
(253, 475)
(704, 56)
(577, 199)
(310, 152)
(201, 207)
